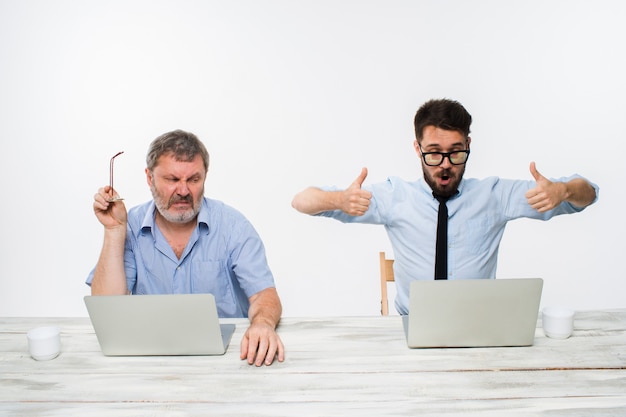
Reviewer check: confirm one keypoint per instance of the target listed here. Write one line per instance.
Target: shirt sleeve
(249, 261)
(513, 194)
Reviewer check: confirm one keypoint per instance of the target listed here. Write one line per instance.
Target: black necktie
(441, 249)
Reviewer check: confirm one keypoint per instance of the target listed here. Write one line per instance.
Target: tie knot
(441, 198)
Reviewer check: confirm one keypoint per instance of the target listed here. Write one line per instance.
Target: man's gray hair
(183, 145)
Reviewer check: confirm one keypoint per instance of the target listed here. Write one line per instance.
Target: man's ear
(148, 177)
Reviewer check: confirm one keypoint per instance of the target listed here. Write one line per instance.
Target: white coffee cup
(558, 322)
(44, 343)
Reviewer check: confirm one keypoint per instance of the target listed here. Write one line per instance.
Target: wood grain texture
(334, 367)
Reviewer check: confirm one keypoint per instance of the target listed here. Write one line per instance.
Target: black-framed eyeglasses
(434, 159)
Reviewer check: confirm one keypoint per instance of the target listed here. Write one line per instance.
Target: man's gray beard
(185, 217)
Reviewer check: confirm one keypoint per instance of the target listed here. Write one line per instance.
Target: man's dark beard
(450, 189)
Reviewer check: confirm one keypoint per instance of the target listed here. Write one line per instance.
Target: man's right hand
(354, 200)
(111, 214)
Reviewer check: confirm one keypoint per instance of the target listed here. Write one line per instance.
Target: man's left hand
(261, 344)
(547, 194)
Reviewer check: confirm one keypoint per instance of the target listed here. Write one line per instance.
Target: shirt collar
(429, 190)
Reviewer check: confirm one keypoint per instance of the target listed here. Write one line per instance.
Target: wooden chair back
(386, 276)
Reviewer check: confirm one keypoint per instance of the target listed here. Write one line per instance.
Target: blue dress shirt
(224, 256)
(477, 217)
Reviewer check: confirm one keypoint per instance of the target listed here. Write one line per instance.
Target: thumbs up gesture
(547, 194)
(354, 200)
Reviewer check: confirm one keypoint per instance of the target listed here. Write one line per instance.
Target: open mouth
(445, 178)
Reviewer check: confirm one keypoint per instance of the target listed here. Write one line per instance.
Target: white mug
(558, 322)
(44, 343)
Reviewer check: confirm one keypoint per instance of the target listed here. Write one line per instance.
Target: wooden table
(334, 367)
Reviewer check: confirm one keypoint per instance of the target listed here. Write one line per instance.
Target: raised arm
(109, 276)
(260, 343)
(547, 194)
(353, 200)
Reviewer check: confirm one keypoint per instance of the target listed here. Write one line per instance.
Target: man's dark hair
(183, 145)
(444, 114)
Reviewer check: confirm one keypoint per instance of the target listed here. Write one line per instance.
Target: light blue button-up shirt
(477, 217)
(224, 256)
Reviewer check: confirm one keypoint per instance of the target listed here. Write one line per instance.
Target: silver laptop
(169, 324)
(473, 313)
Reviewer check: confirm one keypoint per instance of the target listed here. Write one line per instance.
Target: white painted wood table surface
(334, 367)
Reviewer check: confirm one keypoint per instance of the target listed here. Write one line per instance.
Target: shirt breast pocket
(212, 277)
(476, 235)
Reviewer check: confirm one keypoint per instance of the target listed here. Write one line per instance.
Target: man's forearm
(265, 307)
(109, 276)
(315, 200)
(579, 192)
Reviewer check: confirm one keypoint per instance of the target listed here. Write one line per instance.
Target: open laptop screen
(473, 313)
(169, 324)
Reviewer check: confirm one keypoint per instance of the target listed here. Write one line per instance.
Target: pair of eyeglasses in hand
(115, 197)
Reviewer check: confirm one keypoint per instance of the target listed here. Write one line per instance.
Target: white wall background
(290, 93)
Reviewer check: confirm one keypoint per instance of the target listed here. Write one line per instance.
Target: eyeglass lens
(436, 158)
